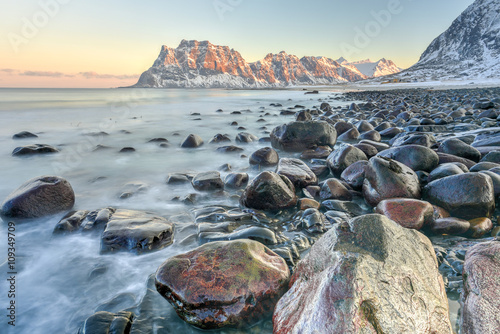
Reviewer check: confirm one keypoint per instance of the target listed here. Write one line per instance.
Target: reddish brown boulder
(409, 213)
(450, 226)
(481, 293)
(225, 283)
(479, 227)
(334, 189)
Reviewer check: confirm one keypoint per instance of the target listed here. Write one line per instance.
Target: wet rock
(34, 149)
(307, 203)
(236, 180)
(312, 221)
(127, 150)
(269, 191)
(349, 135)
(299, 136)
(481, 294)
(245, 137)
(265, 156)
(483, 166)
(457, 147)
(320, 152)
(467, 196)
(371, 135)
(366, 275)
(343, 206)
(493, 156)
(446, 169)
(409, 213)
(71, 222)
(354, 175)
(136, 231)
(445, 158)
(390, 132)
(219, 138)
(207, 181)
(425, 139)
(343, 157)
(364, 126)
(225, 233)
(496, 181)
(416, 157)
(303, 116)
(369, 150)
(24, 134)
(229, 149)
(334, 189)
(179, 178)
(232, 283)
(38, 197)
(105, 322)
(158, 140)
(479, 227)
(297, 172)
(386, 178)
(342, 127)
(450, 226)
(192, 141)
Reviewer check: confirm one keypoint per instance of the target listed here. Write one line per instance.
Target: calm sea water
(55, 292)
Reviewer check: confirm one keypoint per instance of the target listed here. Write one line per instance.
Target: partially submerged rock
(299, 136)
(227, 283)
(269, 191)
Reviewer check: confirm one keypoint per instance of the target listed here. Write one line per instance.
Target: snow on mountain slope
(203, 64)
(468, 49)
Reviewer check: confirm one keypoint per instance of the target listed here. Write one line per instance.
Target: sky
(102, 44)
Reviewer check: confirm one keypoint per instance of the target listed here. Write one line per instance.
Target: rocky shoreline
(362, 219)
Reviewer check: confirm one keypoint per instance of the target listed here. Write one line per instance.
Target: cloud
(45, 74)
(9, 71)
(94, 75)
(51, 74)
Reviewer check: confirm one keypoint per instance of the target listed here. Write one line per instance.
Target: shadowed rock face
(366, 276)
(269, 191)
(226, 283)
(38, 197)
(467, 196)
(299, 136)
(481, 293)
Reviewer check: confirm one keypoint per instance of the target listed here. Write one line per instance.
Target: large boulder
(343, 157)
(416, 157)
(38, 197)
(224, 283)
(269, 191)
(467, 196)
(386, 178)
(481, 292)
(136, 231)
(366, 276)
(299, 136)
(296, 171)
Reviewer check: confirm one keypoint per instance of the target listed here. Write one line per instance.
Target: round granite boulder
(38, 197)
(299, 136)
(269, 191)
(466, 196)
(224, 283)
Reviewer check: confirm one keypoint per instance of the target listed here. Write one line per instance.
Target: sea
(62, 280)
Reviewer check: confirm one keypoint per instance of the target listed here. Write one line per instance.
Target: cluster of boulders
(373, 182)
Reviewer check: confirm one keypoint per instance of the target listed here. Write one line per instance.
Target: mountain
(374, 69)
(203, 64)
(469, 48)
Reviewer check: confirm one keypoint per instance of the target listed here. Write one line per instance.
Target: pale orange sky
(50, 43)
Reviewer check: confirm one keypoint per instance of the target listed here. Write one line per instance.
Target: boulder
(299, 136)
(449, 226)
(265, 156)
(320, 152)
(467, 196)
(297, 172)
(481, 293)
(409, 213)
(225, 283)
(269, 191)
(354, 175)
(106, 322)
(366, 276)
(334, 189)
(192, 141)
(136, 231)
(34, 149)
(457, 147)
(479, 227)
(446, 169)
(207, 181)
(236, 180)
(24, 134)
(38, 197)
(416, 157)
(386, 178)
(245, 137)
(343, 157)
